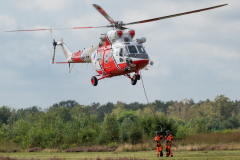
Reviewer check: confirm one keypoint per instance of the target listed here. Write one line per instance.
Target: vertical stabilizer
(68, 54)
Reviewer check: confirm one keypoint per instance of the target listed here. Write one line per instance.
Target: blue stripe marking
(101, 68)
(113, 56)
(116, 63)
(109, 41)
(100, 65)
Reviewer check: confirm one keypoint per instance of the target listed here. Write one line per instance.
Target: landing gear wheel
(138, 77)
(134, 79)
(94, 81)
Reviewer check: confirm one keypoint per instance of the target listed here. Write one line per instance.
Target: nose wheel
(94, 81)
(138, 77)
(134, 79)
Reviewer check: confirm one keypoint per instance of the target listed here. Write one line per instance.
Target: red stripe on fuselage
(114, 71)
(77, 57)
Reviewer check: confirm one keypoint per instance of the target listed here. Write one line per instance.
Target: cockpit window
(141, 49)
(132, 49)
(125, 51)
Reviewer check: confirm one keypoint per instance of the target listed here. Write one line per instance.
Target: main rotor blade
(103, 13)
(92, 27)
(58, 29)
(52, 34)
(174, 15)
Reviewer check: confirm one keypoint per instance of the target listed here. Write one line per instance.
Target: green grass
(151, 155)
(8, 145)
(228, 143)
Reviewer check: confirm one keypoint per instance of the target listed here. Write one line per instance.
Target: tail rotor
(54, 46)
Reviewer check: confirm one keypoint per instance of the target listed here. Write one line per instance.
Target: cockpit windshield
(141, 49)
(132, 49)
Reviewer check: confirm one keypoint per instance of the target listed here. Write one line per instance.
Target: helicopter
(117, 53)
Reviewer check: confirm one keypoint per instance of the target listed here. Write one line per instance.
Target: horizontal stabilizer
(61, 62)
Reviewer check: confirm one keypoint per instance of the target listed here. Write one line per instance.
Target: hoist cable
(147, 97)
(148, 101)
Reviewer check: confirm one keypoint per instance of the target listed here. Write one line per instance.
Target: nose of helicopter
(140, 60)
(140, 64)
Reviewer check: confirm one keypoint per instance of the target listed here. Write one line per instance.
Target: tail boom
(77, 57)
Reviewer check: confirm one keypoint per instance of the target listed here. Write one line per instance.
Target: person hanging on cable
(168, 139)
(158, 138)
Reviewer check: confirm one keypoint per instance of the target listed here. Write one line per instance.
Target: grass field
(201, 146)
(183, 155)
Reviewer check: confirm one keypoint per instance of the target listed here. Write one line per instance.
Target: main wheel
(94, 81)
(134, 79)
(138, 77)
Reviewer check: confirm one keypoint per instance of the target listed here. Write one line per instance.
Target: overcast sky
(195, 56)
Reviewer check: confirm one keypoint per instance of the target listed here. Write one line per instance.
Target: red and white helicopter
(117, 53)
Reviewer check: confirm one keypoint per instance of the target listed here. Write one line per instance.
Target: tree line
(68, 124)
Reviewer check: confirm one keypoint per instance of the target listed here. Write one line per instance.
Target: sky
(195, 56)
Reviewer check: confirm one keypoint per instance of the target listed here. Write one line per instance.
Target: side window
(125, 51)
(99, 57)
(106, 58)
(121, 52)
(111, 53)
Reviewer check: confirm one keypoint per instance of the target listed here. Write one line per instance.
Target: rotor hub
(118, 24)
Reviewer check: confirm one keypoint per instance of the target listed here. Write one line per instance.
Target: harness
(158, 142)
(168, 143)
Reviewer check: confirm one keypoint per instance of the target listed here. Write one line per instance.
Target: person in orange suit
(158, 138)
(169, 139)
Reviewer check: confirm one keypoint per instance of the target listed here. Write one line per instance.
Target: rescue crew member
(169, 139)
(158, 138)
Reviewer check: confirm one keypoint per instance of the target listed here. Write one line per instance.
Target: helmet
(157, 132)
(167, 131)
